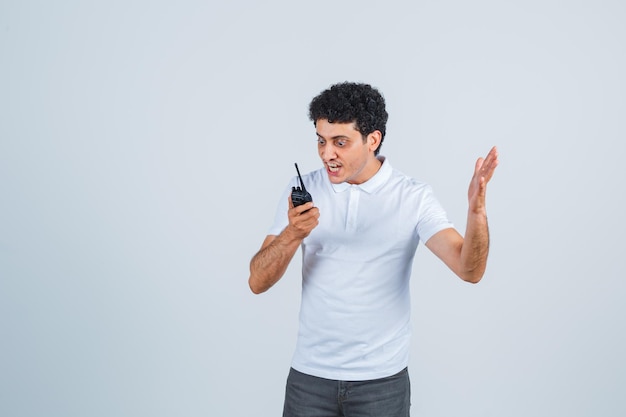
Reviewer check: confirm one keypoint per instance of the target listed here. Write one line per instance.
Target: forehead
(325, 129)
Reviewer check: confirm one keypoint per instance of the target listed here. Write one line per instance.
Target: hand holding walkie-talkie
(300, 195)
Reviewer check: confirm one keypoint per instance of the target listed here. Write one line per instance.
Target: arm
(271, 261)
(467, 257)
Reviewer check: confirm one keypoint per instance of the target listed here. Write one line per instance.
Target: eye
(321, 141)
(341, 143)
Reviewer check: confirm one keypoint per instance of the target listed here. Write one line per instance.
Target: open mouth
(333, 167)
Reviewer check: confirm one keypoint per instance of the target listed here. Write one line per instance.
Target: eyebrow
(333, 138)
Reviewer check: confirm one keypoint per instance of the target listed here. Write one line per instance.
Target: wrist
(291, 236)
(477, 215)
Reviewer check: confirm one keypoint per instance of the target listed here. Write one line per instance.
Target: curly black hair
(352, 102)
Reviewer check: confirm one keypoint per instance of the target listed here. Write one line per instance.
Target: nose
(327, 152)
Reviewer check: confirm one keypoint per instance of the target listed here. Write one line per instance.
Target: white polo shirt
(356, 265)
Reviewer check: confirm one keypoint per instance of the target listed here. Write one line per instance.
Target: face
(346, 156)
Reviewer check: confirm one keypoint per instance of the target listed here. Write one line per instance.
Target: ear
(373, 140)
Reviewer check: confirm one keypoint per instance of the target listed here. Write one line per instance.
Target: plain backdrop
(144, 146)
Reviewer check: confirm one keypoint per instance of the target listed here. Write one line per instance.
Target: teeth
(333, 167)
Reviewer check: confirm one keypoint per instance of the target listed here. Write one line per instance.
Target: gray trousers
(310, 396)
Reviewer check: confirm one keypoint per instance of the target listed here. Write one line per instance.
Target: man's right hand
(302, 219)
(271, 261)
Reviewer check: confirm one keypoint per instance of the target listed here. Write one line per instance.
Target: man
(358, 239)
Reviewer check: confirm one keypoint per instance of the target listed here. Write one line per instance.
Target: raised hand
(483, 171)
(302, 219)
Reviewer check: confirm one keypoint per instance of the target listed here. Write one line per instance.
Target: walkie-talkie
(299, 196)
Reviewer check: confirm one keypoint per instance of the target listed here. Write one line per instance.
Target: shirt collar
(373, 184)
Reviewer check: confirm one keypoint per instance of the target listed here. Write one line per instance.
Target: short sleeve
(432, 217)
(281, 219)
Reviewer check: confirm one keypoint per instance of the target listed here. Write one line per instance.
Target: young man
(358, 239)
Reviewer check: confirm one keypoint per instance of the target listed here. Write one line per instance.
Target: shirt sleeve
(432, 217)
(281, 219)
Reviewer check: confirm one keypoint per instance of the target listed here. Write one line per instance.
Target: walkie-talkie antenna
(299, 195)
(299, 177)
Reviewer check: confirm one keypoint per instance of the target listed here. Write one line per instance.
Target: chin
(336, 180)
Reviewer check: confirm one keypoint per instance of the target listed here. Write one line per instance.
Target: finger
(490, 167)
(304, 207)
(310, 215)
(485, 167)
(308, 220)
(492, 157)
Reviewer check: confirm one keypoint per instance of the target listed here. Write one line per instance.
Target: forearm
(270, 263)
(475, 247)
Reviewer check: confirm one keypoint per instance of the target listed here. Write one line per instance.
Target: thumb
(479, 164)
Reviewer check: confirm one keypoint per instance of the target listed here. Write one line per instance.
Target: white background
(144, 146)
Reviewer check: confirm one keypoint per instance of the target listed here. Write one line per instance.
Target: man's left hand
(483, 171)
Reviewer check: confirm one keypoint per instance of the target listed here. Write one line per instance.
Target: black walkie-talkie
(299, 196)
